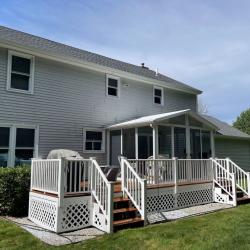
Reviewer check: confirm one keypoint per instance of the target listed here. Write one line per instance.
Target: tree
(243, 122)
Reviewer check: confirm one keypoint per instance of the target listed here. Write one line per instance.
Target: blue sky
(203, 43)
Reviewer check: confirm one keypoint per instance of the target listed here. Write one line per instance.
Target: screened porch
(181, 134)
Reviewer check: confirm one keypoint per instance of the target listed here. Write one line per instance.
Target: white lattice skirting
(164, 199)
(45, 212)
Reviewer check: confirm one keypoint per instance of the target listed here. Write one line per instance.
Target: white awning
(153, 119)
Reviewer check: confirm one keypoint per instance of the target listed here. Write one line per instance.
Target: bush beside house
(14, 191)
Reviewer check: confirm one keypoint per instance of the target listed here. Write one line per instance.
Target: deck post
(123, 173)
(144, 201)
(234, 190)
(61, 180)
(248, 183)
(110, 206)
(175, 178)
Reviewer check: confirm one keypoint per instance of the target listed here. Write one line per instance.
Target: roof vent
(143, 66)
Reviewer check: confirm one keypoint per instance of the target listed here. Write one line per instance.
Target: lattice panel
(194, 197)
(75, 215)
(158, 203)
(220, 198)
(43, 212)
(99, 219)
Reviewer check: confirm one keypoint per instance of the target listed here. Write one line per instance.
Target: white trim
(108, 147)
(12, 140)
(95, 67)
(118, 85)
(31, 75)
(162, 95)
(136, 144)
(103, 140)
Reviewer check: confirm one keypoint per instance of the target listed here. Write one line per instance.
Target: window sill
(19, 91)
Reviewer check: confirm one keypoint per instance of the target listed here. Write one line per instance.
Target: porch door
(180, 143)
(115, 147)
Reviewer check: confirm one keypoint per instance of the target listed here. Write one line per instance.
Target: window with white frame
(93, 140)
(4, 146)
(17, 145)
(25, 145)
(112, 86)
(20, 72)
(158, 95)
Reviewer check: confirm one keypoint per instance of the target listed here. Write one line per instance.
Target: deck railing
(61, 176)
(134, 187)
(102, 190)
(163, 171)
(242, 178)
(224, 179)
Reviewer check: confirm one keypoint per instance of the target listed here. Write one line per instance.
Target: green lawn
(228, 229)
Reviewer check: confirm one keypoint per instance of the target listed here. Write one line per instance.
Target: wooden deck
(172, 184)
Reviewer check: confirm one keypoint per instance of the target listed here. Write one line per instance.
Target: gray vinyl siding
(66, 99)
(237, 150)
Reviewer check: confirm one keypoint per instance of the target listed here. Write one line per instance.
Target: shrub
(14, 190)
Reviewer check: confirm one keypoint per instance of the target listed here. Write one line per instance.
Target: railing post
(144, 201)
(92, 179)
(61, 181)
(110, 206)
(175, 175)
(123, 173)
(248, 183)
(227, 166)
(31, 175)
(234, 190)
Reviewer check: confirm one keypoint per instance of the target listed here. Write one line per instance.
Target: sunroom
(182, 134)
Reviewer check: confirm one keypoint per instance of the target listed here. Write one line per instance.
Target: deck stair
(125, 215)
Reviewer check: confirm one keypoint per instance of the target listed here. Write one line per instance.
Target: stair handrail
(224, 179)
(102, 190)
(134, 187)
(241, 176)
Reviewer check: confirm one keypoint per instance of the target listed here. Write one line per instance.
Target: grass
(228, 229)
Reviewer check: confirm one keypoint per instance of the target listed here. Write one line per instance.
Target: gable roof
(225, 129)
(34, 43)
(151, 119)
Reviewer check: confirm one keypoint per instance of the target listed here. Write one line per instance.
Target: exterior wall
(68, 98)
(237, 150)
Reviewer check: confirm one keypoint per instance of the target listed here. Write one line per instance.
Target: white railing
(45, 175)
(155, 171)
(224, 179)
(134, 187)
(163, 171)
(242, 177)
(194, 170)
(77, 176)
(61, 176)
(102, 190)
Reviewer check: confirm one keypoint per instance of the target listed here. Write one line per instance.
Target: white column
(188, 151)
(121, 141)
(212, 144)
(136, 144)
(155, 142)
(172, 141)
(108, 147)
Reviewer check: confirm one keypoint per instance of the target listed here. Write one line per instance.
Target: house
(56, 96)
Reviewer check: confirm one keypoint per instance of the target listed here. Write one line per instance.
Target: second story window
(93, 140)
(20, 72)
(158, 95)
(112, 86)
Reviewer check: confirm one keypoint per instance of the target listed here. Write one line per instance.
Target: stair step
(127, 221)
(121, 199)
(124, 210)
(244, 198)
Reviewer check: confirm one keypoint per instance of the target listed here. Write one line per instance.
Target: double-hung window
(25, 145)
(112, 86)
(93, 140)
(158, 95)
(20, 72)
(4, 146)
